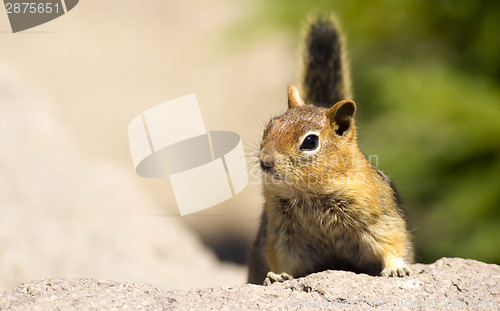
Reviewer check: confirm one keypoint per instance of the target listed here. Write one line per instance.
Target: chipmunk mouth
(277, 176)
(271, 173)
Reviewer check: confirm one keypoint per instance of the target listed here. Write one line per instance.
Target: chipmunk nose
(266, 165)
(267, 162)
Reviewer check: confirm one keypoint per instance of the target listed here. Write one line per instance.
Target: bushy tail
(325, 72)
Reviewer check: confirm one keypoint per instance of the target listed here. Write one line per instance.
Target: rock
(63, 215)
(448, 283)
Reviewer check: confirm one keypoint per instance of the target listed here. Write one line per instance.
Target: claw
(400, 271)
(274, 277)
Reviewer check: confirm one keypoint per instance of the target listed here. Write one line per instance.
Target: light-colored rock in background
(104, 62)
(63, 215)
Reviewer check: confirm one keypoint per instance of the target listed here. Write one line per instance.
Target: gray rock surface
(454, 284)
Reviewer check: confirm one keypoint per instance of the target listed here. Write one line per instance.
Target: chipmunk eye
(311, 142)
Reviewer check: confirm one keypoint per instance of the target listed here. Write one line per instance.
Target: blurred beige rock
(63, 215)
(104, 62)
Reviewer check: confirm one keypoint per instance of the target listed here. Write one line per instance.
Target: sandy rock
(454, 284)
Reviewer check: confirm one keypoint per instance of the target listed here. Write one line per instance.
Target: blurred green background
(426, 80)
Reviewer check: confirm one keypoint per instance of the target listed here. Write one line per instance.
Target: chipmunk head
(306, 142)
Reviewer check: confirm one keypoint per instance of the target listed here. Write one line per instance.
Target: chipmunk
(326, 206)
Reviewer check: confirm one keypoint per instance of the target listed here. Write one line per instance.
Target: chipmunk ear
(294, 99)
(341, 116)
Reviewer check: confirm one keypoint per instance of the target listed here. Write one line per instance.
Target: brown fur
(327, 210)
(326, 206)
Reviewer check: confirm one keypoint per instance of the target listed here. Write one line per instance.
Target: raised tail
(325, 71)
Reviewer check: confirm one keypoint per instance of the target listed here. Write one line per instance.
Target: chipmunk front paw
(395, 266)
(274, 277)
(400, 271)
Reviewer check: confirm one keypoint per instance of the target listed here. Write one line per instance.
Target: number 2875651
(32, 8)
